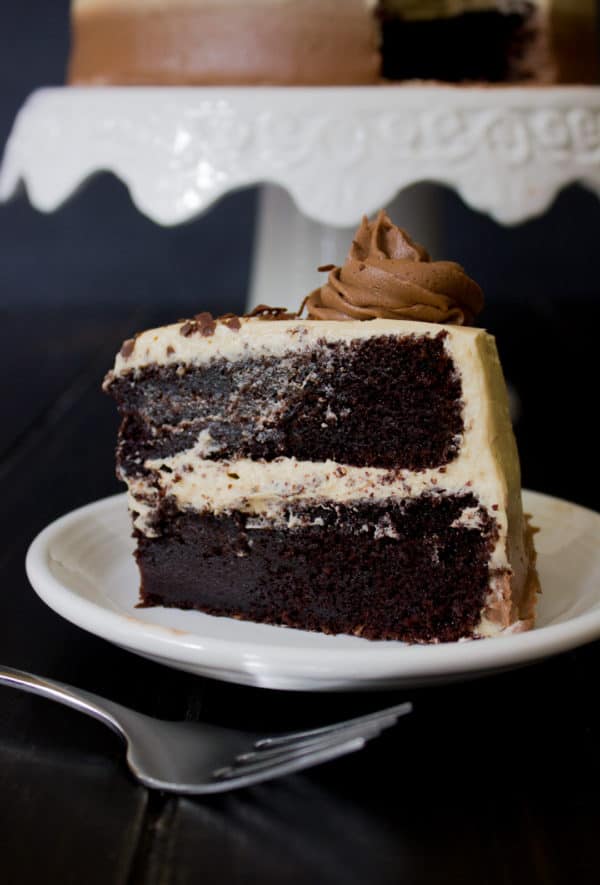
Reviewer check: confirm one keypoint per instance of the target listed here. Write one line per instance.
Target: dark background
(489, 782)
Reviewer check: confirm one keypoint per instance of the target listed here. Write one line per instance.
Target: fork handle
(84, 701)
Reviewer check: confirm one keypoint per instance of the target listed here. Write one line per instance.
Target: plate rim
(378, 661)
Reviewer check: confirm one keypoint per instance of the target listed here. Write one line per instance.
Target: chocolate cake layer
(485, 45)
(415, 570)
(377, 402)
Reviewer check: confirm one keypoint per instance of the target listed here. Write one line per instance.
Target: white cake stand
(325, 155)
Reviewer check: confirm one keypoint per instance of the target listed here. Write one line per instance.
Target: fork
(198, 758)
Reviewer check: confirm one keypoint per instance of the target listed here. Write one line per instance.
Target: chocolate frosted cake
(224, 42)
(351, 472)
(317, 42)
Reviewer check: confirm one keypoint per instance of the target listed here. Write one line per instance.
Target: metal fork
(190, 757)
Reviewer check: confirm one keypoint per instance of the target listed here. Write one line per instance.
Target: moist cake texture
(300, 576)
(331, 473)
(324, 408)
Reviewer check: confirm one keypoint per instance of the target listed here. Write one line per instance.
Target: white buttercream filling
(259, 337)
(269, 488)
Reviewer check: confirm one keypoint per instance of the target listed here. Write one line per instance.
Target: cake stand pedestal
(326, 155)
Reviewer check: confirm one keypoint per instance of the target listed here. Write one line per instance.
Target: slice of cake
(351, 472)
(278, 42)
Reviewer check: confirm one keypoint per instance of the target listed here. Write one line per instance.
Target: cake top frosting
(388, 276)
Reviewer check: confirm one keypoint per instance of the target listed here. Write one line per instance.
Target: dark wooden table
(491, 781)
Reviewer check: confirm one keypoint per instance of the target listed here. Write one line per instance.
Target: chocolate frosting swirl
(387, 275)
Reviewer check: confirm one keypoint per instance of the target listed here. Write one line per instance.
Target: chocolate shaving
(205, 323)
(127, 348)
(202, 323)
(188, 329)
(231, 320)
(264, 312)
(303, 305)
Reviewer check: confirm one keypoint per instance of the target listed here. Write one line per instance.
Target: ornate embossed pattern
(339, 152)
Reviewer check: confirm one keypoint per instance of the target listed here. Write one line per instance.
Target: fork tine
(263, 760)
(292, 737)
(318, 738)
(309, 760)
(288, 756)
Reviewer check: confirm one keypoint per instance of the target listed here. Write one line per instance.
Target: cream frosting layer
(255, 336)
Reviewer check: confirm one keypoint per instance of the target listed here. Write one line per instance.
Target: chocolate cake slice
(351, 472)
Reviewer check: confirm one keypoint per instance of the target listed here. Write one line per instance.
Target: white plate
(82, 567)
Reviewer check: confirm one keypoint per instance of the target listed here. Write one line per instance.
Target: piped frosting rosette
(387, 275)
